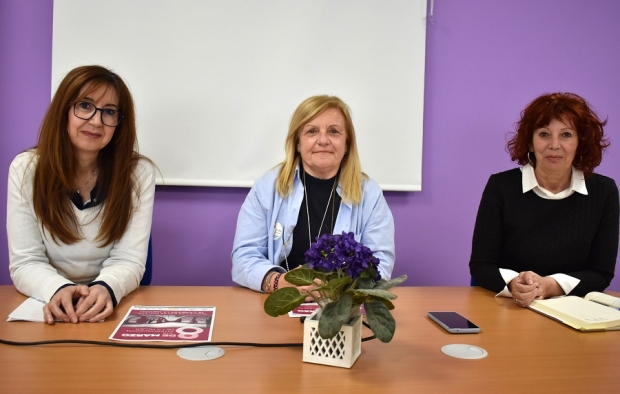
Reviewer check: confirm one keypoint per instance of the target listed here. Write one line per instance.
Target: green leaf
(366, 283)
(300, 277)
(322, 276)
(388, 284)
(283, 301)
(380, 320)
(368, 273)
(385, 302)
(378, 293)
(335, 286)
(334, 316)
(358, 298)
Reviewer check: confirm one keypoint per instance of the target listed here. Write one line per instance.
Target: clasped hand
(530, 286)
(79, 303)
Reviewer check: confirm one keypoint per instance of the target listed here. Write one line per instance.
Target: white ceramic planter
(339, 351)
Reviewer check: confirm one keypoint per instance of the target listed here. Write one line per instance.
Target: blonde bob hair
(351, 175)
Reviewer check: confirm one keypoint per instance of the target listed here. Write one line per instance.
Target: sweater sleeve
(599, 269)
(488, 239)
(30, 269)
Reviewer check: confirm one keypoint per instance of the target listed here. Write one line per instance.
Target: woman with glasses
(80, 202)
(319, 188)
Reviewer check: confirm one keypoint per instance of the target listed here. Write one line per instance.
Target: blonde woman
(319, 188)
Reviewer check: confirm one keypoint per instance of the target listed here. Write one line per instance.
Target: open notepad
(595, 312)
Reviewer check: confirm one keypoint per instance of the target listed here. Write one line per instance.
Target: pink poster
(166, 323)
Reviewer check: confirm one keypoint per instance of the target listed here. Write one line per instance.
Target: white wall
(216, 82)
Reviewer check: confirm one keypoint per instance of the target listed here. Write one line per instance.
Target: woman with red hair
(550, 227)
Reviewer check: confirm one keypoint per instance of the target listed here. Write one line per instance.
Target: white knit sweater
(39, 266)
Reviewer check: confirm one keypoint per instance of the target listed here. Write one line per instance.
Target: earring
(528, 158)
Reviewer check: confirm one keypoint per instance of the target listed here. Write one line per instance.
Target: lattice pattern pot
(339, 351)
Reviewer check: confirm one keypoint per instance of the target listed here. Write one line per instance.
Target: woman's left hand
(96, 306)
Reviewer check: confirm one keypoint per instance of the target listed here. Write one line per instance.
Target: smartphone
(454, 323)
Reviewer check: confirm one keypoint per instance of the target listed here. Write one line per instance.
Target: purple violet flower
(331, 253)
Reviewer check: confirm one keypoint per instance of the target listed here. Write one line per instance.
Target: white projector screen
(216, 82)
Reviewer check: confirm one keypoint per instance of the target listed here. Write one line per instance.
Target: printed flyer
(305, 309)
(166, 323)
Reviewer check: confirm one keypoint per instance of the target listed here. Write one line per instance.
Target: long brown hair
(351, 175)
(570, 109)
(56, 161)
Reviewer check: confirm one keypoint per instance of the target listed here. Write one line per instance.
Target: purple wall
(486, 59)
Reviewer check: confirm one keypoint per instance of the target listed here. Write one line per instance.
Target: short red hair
(570, 109)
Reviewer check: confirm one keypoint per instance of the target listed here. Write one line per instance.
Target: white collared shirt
(529, 182)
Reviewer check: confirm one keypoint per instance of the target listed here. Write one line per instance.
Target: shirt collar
(529, 182)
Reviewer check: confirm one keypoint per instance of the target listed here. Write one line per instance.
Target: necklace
(326, 209)
(333, 201)
(87, 182)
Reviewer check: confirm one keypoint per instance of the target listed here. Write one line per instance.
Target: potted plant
(346, 276)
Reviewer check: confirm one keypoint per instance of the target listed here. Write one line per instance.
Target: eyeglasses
(85, 110)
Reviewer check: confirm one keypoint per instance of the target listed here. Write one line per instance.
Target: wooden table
(528, 352)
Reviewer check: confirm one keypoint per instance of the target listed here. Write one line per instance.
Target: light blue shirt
(266, 221)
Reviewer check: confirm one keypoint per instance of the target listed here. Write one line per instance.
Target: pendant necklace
(308, 215)
(87, 182)
(326, 209)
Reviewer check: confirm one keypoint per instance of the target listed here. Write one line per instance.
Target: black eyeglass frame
(120, 115)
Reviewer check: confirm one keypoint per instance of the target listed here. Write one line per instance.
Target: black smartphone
(454, 323)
